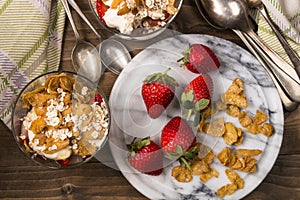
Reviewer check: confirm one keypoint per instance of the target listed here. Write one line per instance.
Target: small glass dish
(139, 33)
(60, 120)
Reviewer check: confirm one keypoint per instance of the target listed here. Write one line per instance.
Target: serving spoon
(286, 46)
(288, 104)
(232, 14)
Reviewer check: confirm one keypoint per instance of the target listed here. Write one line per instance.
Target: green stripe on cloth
(30, 44)
(267, 34)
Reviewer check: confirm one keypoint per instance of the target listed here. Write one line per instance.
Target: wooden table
(22, 179)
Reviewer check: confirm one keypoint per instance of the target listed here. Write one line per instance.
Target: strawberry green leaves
(201, 104)
(187, 100)
(135, 146)
(184, 157)
(161, 77)
(193, 107)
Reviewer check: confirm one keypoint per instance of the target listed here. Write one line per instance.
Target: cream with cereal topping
(128, 15)
(61, 123)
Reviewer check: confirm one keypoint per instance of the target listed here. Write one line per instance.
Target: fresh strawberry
(201, 86)
(177, 136)
(98, 99)
(199, 58)
(197, 96)
(158, 92)
(101, 8)
(146, 156)
(63, 163)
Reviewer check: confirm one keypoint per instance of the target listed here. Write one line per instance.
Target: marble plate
(130, 119)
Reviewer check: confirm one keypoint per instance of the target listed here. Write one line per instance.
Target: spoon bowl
(227, 14)
(86, 60)
(114, 55)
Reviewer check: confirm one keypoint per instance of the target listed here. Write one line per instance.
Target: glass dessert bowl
(60, 120)
(135, 19)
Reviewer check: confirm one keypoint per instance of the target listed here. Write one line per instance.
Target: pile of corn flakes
(233, 102)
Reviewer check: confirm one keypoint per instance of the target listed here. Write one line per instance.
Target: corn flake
(215, 128)
(235, 94)
(182, 174)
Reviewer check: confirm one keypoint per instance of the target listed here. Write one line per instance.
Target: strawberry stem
(166, 71)
(189, 114)
(180, 59)
(133, 141)
(185, 163)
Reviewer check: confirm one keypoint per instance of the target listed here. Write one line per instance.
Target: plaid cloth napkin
(30, 44)
(286, 14)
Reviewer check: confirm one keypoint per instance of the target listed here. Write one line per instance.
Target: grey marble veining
(130, 117)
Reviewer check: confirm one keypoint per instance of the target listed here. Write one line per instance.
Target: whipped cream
(136, 16)
(124, 23)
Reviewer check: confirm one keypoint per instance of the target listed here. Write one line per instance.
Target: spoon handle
(283, 71)
(288, 104)
(78, 10)
(68, 12)
(290, 52)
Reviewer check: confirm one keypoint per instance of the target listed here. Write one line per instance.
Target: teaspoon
(232, 14)
(85, 57)
(288, 104)
(289, 51)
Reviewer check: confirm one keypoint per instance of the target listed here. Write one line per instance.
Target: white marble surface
(130, 119)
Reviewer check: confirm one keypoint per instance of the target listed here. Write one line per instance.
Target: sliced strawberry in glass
(101, 8)
(63, 163)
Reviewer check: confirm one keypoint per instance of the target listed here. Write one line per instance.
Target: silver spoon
(85, 57)
(233, 14)
(286, 46)
(115, 56)
(78, 10)
(288, 104)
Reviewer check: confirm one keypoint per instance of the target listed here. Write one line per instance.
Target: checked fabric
(31, 33)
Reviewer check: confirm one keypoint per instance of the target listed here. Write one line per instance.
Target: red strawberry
(63, 163)
(98, 99)
(177, 136)
(158, 92)
(101, 8)
(197, 96)
(199, 58)
(201, 86)
(146, 156)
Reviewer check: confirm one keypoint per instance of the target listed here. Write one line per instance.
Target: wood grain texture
(22, 179)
